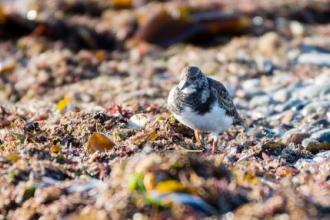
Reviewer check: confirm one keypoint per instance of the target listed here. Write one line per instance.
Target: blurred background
(101, 32)
(51, 44)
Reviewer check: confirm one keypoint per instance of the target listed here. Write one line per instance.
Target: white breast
(215, 121)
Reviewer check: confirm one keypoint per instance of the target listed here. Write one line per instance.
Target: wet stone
(291, 155)
(322, 136)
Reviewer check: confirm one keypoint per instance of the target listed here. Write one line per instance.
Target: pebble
(286, 171)
(291, 155)
(139, 121)
(265, 66)
(322, 78)
(317, 159)
(84, 97)
(281, 95)
(316, 107)
(320, 59)
(294, 104)
(321, 123)
(314, 91)
(297, 29)
(255, 132)
(261, 100)
(322, 136)
(296, 138)
(139, 216)
(287, 117)
(251, 85)
(268, 43)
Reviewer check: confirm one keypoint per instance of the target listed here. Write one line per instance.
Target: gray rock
(84, 97)
(291, 155)
(321, 123)
(281, 95)
(261, 100)
(251, 85)
(295, 104)
(317, 159)
(278, 132)
(256, 132)
(322, 136)
(320, 59)
(296, 138)
(316, 107)
(315, 90)
(139, 120)
(265, 66)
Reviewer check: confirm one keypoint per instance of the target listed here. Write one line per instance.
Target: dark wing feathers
(225, 100)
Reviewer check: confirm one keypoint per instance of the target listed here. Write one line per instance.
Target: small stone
(7, 66)
(265, 66)
(297, 29)
(291, 155)
(281, 95)
(324, 123)
(268, 43)
(297, 138)
(251, 84)
(48, 194)
(287, 117)
(139, 216)
(84, 97)
(255, 132)
(316, 159)
(317, 107)
(295, 104)
(322, 136)
(320, 59)
(314, 91)
(139, 120)
(260, 100)
(286, 171)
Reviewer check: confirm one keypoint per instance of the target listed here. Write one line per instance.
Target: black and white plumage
(203, 104)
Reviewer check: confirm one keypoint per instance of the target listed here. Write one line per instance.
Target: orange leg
(214, 144)
(198, 136)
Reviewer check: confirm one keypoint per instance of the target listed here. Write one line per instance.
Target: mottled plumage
(202, 103)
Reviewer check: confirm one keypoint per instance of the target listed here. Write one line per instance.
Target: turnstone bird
(203, 104)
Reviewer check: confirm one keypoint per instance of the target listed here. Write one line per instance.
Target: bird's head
(192, 79)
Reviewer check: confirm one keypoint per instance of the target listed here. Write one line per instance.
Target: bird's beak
(187, 88)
